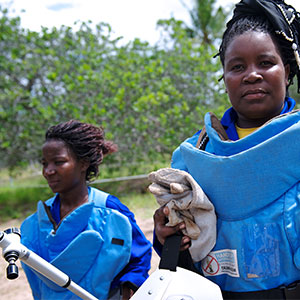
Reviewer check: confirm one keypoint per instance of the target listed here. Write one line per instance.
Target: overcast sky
(128, 18)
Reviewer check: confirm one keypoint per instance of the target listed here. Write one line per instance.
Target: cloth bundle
(186, 202)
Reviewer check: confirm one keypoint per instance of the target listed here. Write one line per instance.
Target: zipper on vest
(51, 219)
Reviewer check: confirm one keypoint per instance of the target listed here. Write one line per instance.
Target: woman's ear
(287, 69)
(84, 164)
(223, 78)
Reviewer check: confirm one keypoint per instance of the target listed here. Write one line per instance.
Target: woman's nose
(49, 170)
(252, 75)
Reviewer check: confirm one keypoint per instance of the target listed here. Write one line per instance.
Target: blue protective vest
(254, 185)
(92, 245)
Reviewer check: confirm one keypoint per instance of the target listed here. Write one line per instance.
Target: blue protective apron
(254, 185)
(91, 245)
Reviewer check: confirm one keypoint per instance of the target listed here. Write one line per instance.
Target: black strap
(292, 291)
(171, 255)
(170, 252)
(281, 293)
(204, 142)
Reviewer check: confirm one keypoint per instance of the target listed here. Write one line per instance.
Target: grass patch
(142, 205)
(20, 202)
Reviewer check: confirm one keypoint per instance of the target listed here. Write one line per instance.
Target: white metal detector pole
(12, 249)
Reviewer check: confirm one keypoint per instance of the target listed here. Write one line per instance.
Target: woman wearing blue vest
(86, 233)
(248, 163)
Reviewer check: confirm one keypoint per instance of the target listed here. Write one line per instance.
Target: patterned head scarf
(283, 18)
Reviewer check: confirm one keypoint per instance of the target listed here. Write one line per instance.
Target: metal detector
(12, 250)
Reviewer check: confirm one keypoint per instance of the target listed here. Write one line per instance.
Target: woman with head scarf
(248, 162)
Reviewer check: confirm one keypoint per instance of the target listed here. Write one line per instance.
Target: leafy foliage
(207, 20)
(148, 98)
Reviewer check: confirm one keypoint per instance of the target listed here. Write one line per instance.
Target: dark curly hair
(259, 24)
(85, 140)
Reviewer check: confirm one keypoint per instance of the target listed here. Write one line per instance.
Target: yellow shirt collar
(243, 132)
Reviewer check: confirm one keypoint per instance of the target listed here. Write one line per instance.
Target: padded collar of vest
(70, 226)
(241, 177)
(68, 229)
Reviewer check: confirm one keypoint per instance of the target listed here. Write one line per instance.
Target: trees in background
(148, 98)
(207, 20)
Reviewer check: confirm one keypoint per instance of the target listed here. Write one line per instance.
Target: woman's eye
(237, 68)
(266, 63)
(59, 162)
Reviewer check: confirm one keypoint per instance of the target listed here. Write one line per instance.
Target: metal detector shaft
(10, 243)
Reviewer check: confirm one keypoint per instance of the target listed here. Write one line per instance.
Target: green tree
(42, 76)
(148, 98)
(208, 20)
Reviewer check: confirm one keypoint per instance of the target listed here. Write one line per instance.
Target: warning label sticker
(221, 262)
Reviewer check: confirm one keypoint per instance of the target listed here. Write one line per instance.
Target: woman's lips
(53, 182)
(254, 94)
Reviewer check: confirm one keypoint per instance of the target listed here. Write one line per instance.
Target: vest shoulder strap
(203, 137)
(99, 197)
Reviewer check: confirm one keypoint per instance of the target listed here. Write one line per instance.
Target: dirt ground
(18, 289)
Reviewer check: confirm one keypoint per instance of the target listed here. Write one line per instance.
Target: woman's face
(255, 78)
(62, 170)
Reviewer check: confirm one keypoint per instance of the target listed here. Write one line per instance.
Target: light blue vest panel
(91, 245)
(254, 186)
